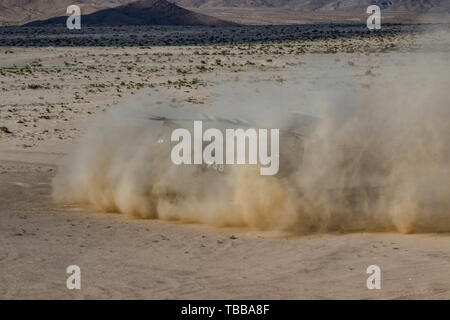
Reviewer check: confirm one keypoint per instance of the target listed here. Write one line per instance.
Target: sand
(44, 110)
(146, 259)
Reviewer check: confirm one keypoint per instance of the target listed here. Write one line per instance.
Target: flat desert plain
(49, 94)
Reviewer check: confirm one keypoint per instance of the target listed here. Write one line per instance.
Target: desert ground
(279, 16)
(49, 92)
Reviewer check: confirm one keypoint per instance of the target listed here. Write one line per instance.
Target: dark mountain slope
(145, 12)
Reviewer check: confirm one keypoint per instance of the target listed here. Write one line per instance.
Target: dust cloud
(368, 157)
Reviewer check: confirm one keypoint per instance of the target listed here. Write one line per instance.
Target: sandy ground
(46, 96)
(265, 16)
(125, 258)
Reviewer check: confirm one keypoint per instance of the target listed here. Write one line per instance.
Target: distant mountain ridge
(16, 12)
(103, 12)
(143, 12)
(413, 6)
